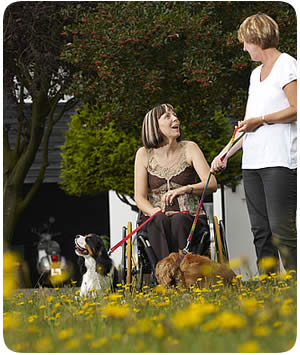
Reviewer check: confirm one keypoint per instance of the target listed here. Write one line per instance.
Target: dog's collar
(184, 252)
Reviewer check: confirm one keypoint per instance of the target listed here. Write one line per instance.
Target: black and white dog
(95, 265)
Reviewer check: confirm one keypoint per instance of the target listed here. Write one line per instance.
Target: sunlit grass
(254, 316)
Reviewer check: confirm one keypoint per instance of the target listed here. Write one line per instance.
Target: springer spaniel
(191, 269)
(96, 266)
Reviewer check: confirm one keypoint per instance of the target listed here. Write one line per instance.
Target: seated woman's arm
(140, 183)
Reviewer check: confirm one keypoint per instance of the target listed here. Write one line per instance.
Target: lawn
(255, 316)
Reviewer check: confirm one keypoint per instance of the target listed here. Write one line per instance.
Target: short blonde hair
(259, 29)
(151, 136)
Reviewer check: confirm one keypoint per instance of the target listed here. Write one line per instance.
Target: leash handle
(232, 141)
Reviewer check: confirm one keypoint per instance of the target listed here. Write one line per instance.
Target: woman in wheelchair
(166, 171)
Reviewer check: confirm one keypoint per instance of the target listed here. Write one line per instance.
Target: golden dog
(192, 268)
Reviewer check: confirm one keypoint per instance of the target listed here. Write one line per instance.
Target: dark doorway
(73, 215)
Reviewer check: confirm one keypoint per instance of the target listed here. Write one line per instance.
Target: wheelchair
(139, 260)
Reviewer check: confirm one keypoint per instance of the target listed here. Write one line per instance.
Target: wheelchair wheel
(218, 242)
(129, 255)
(223, 238)
(123, 260)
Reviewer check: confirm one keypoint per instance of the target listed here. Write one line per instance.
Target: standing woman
(166, 170)
(269, 160)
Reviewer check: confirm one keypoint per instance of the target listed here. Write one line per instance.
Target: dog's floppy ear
(81, 264)
(167, 269)
(103, 263)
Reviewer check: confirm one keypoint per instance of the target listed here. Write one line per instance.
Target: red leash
(186, 249)
(112, 249)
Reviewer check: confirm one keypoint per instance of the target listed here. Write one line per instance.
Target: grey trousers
(271, 195)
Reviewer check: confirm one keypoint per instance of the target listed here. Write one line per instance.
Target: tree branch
(45, 150)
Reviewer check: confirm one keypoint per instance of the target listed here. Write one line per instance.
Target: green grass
(257, 316)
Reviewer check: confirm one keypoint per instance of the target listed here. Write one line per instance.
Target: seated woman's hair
(259, 29)
(151, 136)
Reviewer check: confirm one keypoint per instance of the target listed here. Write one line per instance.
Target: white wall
(238, 229)
(119, 215)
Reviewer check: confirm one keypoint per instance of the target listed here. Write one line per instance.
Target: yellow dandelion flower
(235, 263)
(228, 320)
(249, 305)
(43, 345)
(160, 289)
(100, 342)
(249, 347)
(267, 263)
(11, 320)
(59, 279)
(72, 344)
(115, 296)
(32, 329)
(65, 333)
(193, 315)
(261, 331)
(10, 262)
(206, 269)
(287, 307)
(159, 331)
(32, 318)
(9, 284)
(88, 336)
(115, 311)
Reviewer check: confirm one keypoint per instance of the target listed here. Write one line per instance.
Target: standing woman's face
(169, 125)
(254, 51)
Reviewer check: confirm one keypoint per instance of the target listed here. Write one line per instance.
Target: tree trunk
(17, 164)
(11, 213)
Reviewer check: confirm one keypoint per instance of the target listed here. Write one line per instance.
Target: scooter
(50, 262)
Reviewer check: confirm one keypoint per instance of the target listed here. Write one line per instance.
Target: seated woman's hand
(155, 210)
(168, 198)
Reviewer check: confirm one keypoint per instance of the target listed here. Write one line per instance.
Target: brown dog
(192, 268)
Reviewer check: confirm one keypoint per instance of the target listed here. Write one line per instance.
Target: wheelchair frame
(138, 272)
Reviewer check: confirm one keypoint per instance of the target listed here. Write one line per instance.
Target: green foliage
(211, 137)
(134, 55)
(97, 159)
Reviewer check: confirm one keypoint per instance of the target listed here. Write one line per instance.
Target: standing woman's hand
(218, 165)
(250, 125)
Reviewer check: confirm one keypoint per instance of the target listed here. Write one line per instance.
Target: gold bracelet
(191, 187)
(263, 119)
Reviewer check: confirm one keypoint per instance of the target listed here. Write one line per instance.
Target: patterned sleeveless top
(163, 179)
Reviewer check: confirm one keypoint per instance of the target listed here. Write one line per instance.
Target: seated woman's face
(169, 124)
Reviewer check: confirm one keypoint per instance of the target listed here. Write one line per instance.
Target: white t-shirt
(275, 144)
